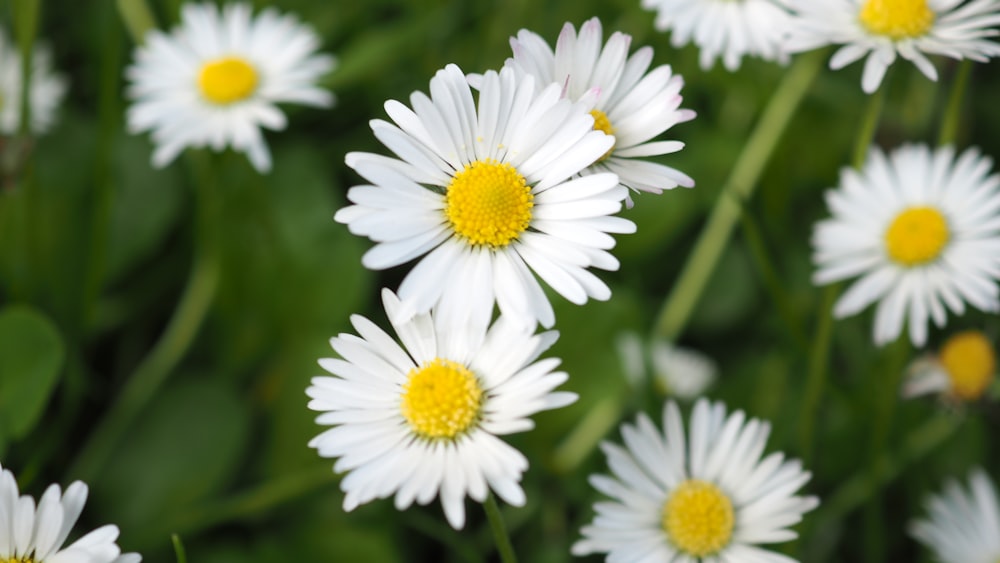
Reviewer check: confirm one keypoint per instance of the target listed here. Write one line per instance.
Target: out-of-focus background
(96, 247)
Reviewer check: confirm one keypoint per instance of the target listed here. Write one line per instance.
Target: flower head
(922, 229)
(214, 80)
(705, 495)
(486, 193)
(727, 29)
(422, 419)
(44, 95)
(625, 100)
(36, 534)
(963, 525)
(881, 29)
(962, 370)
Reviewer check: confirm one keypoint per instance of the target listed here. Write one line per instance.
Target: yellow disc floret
(897, 19)
(441, 399)
(917, 236)
(698, 518)
(488, 203)
(24, 559)
(603, 124)
(227, 80)
(970, 360)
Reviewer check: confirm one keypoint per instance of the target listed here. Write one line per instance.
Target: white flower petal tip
(214, 81)
(662, 478)
(422, 418)
(920, 228)
(626, 101)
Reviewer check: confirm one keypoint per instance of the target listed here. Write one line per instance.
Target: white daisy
(681, 372)
(962, 370)
(215, 80)
(627, 102)
(963, 524)
(45, 93)
(702, 496)
(421, 420)
(922, 229)
(881, 29)
(486, 194)
(35, 534)
(728, 29)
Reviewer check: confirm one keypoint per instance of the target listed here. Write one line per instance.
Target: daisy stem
(504, 547)
(953, 111)
(179, 552)
(738, 187)
(161, 360)
(26, 26)
(137, 17)
(869, 124)
(819, 357)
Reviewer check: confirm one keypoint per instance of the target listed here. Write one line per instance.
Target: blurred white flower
(727, 29)
(36, 534)
(881, 29)
(705, 495)
(44, 95)
(626, 101)
(962, 370)
(486, 197)
(681, 372)
(422, 419)
(963, 525)
(214, 80)
(922, 229)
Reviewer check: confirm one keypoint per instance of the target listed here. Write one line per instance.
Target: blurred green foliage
(96, 246)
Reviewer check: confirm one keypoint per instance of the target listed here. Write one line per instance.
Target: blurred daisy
(704, 496)
(30, 534)
(486, 194)
(625, 100)
(922, 229)
(215, 80)
(421, 420)
(881, 29)
(681, 372)
(728, 29)
(963, 524)
(962, 370)
(45, 93)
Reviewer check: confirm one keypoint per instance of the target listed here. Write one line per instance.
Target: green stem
(739, 186)
(504, 547)
(953, 111)
(869, 124)
(173, 343)
(179, 552)
(596, 424)
(819, 359)
(137, 17)
(26, 25)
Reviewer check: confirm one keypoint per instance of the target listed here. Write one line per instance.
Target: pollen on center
(488, 203)
(917, 236)
(897, 19)
(227, 80)
(603, 124)
(441, 399)
(970, 361)
(698, 518)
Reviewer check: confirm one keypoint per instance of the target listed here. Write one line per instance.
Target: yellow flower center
(917, 236)
(488, 203)
(24, 559)
(897, 19)
(971, 363)
(602, 123)
(227, 80)
(441, 399)
(698, 518)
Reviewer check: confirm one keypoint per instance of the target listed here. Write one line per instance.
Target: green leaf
(31, 359)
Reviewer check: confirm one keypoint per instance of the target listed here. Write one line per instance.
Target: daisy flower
(963, 524)
(486, 194)
(45, 93)
(422, 419)
(214, 80)
(681, 372)
(625, 100)
(962, 370)
(31, 533)
(881, 29)
(922, 229)
(704, 496)
(727, 29)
